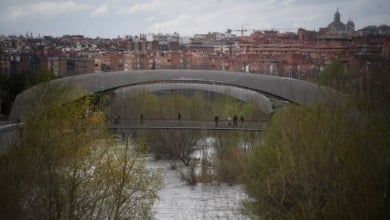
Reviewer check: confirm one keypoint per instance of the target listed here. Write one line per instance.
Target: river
(178, 200)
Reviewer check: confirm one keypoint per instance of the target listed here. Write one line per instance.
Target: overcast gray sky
(110, 18)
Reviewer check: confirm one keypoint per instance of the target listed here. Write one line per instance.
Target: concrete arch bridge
(243, 86)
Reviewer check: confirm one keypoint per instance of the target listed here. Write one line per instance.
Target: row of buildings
(301, 54)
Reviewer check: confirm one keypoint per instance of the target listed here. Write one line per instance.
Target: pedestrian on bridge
(235, 119)
(178, 116)
(141, 119)
(216, 119)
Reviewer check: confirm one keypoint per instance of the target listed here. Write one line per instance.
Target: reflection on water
(202, 201)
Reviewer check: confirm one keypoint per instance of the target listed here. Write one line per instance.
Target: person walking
(141, 119)
(235, 119)
(216, 119)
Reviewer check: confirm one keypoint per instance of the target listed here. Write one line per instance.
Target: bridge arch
(296, 91)
(259, 100)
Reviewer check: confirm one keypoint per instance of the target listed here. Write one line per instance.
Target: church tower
(337, 16)
(350, 27)
(337, 27)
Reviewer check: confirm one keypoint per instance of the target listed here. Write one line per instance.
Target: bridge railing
(169, 123)
(9, 136)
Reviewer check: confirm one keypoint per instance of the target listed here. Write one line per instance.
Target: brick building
(75, 66)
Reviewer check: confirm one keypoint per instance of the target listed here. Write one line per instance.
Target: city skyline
(112, 18)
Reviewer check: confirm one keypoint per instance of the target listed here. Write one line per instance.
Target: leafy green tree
(226, 106)
(317, 163)
(69, 167)
(343, 77)
(327, 161)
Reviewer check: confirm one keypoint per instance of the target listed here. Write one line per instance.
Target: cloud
(102, 10)
(42, 9)
(137, 8)
(170, 7)
(216, 16)
(185, 23)
(152, 18)
(186, 17)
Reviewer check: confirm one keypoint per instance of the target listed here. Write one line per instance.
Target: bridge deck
(188, 125)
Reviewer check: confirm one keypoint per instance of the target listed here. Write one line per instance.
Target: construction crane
(242, 30)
